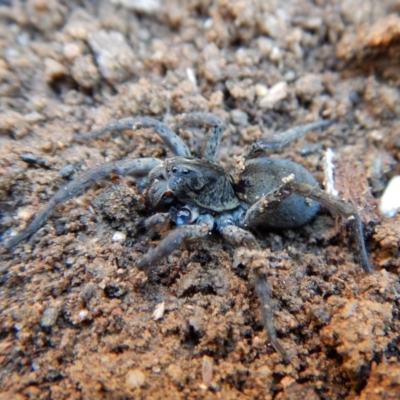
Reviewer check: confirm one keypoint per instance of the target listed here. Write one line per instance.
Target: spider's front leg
(233, 234)
(271, 201)
(203, 226)
(138, 167)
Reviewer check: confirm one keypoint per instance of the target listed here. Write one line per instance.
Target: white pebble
(82, 315)
(159, 311)
(119, 237)
(390, 200)
(143, 6)
(276, 93)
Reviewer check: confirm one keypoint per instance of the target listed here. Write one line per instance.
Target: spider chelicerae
(199, 196)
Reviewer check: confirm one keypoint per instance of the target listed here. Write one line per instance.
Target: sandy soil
(77, 316)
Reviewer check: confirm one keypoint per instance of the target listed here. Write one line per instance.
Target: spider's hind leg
(256, 261)
(278, 140)
(340, 207)
(215, 127)
(271, 201)
(249, 254)
(170, 138)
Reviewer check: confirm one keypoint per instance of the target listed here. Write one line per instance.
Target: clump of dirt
(78, 318)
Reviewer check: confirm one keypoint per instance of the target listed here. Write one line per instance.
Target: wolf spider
(199, 196)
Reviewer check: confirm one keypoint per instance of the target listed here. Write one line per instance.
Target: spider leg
(255, 260)
(269, 202)
(170, 138)
(215, 128)
(278, 140)
(175, 238)
(157, 221)
(267, 205)
(340, 207)
(238, 237)
(248, 253)
(137, 167)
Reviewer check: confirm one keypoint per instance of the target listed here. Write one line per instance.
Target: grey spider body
(199, 196)
(207, 188)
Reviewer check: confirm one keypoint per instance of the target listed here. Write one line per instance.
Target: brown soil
(77, 315)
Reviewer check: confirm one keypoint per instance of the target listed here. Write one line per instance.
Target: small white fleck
(288, 178)
(158, 313)
(119, 237)
(328, 171)
(208, 23)
(390, 200)
(82, 315)
(276, 54)
(192, 78)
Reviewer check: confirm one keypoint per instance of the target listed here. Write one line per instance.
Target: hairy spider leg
(278, 140)
(203, 226)
(264, 294)
(156, 221)
(271, 200)
(240, 238)
(170, 138)
(255, 260)
(138, 167)
(215, 126)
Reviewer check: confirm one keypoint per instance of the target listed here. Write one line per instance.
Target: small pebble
(67, 171)
(159, 311)
(119, 237)
(49, 317)
(141, 6)
(207, 370)
(135, 379)
(276, 93)
(239, 117)
(54, 70)
(390, 200)
(82, 315)
(276, 54)
(31, 159)
(156, 369)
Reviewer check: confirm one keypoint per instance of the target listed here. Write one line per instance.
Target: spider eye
(174, 170)
(185, 171)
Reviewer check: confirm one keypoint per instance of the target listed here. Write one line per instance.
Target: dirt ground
(78, 319)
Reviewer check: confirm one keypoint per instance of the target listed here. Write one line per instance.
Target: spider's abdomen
(263, 174)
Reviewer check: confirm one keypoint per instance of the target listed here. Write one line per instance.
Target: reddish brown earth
(77, 315)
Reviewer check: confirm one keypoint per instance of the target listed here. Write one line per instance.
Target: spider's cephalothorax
(199, 196)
